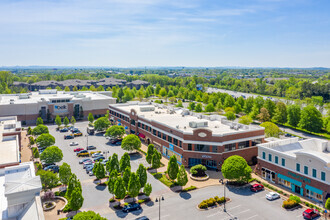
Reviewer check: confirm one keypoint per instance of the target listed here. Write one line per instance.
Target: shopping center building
(302, 167)
(193, 138)
(49, 103)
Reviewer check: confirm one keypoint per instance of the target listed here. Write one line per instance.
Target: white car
(97, 155)
(73, 143)
(272, 196)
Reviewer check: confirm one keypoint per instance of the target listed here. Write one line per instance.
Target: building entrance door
(297, 189)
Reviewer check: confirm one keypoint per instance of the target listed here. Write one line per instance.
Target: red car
(78, 149)
(311, 213)
(256, 187)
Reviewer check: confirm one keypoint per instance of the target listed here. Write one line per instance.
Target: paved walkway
(26, 152)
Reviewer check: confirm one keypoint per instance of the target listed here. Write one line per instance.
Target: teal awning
(295, 182)
(318, 191)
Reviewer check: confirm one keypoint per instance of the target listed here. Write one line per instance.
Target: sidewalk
(26, 152)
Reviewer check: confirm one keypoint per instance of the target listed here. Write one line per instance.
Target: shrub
(112, 200)
(295, 198)
(66, 208)
(39, 166)
(126, 203)
(60, 193)
(35, 152)
(203, 205)
(211, 202)
(288, 204)
(220, 200)
(141, 201)
(189, 188)
(49, 195)
(198, 170)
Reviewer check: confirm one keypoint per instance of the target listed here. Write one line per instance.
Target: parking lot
(96, 197)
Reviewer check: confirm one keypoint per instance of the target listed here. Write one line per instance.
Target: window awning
(119, 123)
(126, 127)
(318, 191)
(142, 135)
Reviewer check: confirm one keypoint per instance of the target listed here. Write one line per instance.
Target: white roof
(9, 149)
(35, 97)
(176, 119)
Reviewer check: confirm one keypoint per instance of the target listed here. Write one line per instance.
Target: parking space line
(251, 217)
(242, 212)
(209, 216)
(234, 207)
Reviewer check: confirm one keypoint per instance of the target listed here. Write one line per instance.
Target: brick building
(47, 104)
(192, 138)
(302, 167)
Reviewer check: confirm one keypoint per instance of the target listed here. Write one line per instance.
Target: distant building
(192, 138)
(302, 167)
(137, 84)
(47, 104)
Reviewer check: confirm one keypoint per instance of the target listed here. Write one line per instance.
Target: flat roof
(9, 149)
(180, 119)
(35, 97)
(293, 147)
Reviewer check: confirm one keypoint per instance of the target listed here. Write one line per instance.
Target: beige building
(49, 103)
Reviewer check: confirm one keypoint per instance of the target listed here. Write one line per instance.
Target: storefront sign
(171, 146)
(299, 177)
(206, 156)
(60, 108)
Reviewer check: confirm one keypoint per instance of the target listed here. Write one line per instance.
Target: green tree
(230, 116)
(67, 89)
(66, 121)
(114, 163)
(133, 185)
(147, 189)
(219, 105)
(271, 129)
(39, 121)
(199, 107)
(51, 154)
(32, 140)
(58, 121)
(120, 94)
(131, 142)
(209, 108)
(280, 113)
(125, 161)
(29, 131)
(191, 106)
(40, 129)
(172, 168)
(182, 177)
(150, 153)
(77, 200)
(156, 157)
(179, 105)
(65, 173)
(293, 115)
(126, 176)
(49, 180)
(89, 215)
(119, 189)
(112, 180)
(236, 168)
(115, 132)
(100, 88)
(254, 112)
(311, 119)
(163, 92)
(73, 120)
(327, 204)
(259, 102)
(142, 175)
(90, 118)
(101, 124)
(98, 171)
(74, 183)
(229, 101)
(263, 115)
(248, 105)
(237, 108)
(45, 140)
(270, 106)
(245, 120)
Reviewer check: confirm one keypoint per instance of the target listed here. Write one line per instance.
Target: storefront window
(189, 146)
(243, 144)
(284, 183)
(202, 147)
(230, 147)
(214, 149)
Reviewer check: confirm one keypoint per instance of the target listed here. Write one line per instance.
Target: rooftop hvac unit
(185, 127)
(177, 126)
(198, 124)
(231, 126)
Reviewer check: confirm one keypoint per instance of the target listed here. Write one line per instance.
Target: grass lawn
(162, 178)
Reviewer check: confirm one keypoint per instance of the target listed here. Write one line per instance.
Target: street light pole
(224, 194)
(87, 141)
(159, 199)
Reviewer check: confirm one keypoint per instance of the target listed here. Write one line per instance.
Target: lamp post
(87, 141)
(224, 193)
(159, 199)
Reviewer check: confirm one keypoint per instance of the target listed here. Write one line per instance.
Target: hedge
(211, 202)
(189, 188)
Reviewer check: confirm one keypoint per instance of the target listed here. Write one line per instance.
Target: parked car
(142, 218)
(73, 130)
(311, 213)
(81, 152)
(131, 207)
(118, 143)
(77, 134)
(256, 187)
(272, 196)
(70, 136)
(99, 158)
(287, 135)
(84, 160)
(104, 161)
(71, 127)
(53, 168)
(97, 155)
(64, 130)
(90, 147)
(91, 173)
(89, 168)
(44, 165)
(114, 141)
(86, 164)
(73, 143)
(78, 149)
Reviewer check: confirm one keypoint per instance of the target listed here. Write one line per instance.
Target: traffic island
(212, 203)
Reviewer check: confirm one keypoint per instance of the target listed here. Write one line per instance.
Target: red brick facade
(218, 155)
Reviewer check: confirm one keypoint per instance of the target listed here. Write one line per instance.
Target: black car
(53, 168)
(44, 165)
(91, 147)
(131, 207)
(115, 141)
(70, 136)
(142, 218)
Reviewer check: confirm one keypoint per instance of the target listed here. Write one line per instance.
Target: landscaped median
(212, 202)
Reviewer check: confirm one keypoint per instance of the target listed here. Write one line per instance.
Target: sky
(191, 33)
